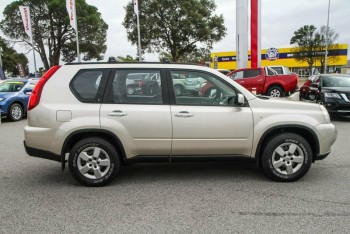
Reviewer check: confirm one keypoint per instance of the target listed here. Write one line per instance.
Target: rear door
(141, 120)
(208, 125)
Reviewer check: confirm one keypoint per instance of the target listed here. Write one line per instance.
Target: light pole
(325, 56)
(0, 57)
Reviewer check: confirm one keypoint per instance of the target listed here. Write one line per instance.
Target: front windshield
(11, 86)
(336, 81)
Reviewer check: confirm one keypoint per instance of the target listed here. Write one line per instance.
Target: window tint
(252, 73)
(11, 86)
(279, 70)
(136, 87)
(86, 84)
(237, 75)
(202, 89)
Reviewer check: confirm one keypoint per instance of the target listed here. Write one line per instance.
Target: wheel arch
(16, 102)
(275, 85)
(308, 134)
(76, 136)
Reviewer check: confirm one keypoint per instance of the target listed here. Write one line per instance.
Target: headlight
(2, 99)
(332, 95)
(326, 114)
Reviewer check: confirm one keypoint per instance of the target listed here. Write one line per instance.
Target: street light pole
(325, 56)
(0, 57)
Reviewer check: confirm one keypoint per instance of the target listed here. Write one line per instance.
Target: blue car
(14, 97)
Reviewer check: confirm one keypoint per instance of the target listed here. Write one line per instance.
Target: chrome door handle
(184, 114)
(260, 80)
(240, 81)
(117, 113)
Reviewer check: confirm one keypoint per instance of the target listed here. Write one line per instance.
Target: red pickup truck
(266, 80)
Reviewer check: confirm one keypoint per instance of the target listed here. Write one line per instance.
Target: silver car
(97, 127)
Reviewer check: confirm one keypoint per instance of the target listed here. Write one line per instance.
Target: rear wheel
(286, 157)
(15, 112)
(94, 162)
(275, 91)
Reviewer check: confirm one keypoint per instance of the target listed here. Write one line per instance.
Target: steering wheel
(220, 99)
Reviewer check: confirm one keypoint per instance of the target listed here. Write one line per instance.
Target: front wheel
(275, 91)
(94, 162)
(286, 157)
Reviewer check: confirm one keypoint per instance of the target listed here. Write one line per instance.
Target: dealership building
(285, 57)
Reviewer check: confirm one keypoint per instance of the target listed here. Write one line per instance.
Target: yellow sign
(279, 56)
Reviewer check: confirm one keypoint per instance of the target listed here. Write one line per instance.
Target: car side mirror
(27, 90)
(236, 100)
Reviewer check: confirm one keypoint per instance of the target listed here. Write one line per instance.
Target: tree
(52, 32)
(11, 58)
(310, 45)
(306, 40)
(331, 37)
(176, 27)
(128, 58)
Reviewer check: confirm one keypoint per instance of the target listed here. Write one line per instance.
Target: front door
(207, 125)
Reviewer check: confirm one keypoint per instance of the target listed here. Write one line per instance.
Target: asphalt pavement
(36, 197)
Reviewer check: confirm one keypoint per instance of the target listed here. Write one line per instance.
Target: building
(346, 69)
(285, 57)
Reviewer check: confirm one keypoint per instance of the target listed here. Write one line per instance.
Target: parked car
(264, 81)
(186, 83)
(334, 93)
(14, 96)
(98, 129)
(309, 92)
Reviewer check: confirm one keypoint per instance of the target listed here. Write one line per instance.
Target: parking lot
(35, 196)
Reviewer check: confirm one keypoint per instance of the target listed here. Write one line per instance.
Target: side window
(270, 72)
(252, 73)
(237, 75)
(88, 85)
(200, 89)
(136, 87)
(279, 70)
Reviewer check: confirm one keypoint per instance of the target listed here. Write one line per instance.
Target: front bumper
(327, 134)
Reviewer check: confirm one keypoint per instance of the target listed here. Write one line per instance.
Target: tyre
(178, 89)
(15, 112)
(94, 162)
(130, 90)
(286, 157)
(275, 91)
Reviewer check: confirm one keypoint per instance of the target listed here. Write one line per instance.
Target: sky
(280, 19)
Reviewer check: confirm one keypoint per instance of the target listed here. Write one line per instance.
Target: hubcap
(287, 158)
(16, 112)
(93, 163)
(275, 93)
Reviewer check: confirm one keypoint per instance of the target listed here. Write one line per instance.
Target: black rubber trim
(38, 153)
(322, 156)
(187, 158)
(258, 148)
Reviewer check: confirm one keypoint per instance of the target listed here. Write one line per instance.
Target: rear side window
(140, 86)
(252, 73)
(88, 85)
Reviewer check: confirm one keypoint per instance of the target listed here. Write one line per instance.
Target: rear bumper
(41, 153)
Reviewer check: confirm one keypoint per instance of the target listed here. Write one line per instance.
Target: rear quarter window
(88, 85)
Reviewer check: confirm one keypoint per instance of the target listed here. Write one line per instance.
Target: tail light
(36, 93)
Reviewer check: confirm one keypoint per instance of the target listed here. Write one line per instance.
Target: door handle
(241, 81)
(117, 113)
(184, 114)
(260, 80)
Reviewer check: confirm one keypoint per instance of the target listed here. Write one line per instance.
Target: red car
(264, 81)
(309, 91)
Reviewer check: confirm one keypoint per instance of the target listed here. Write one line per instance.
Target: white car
(99, 128)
